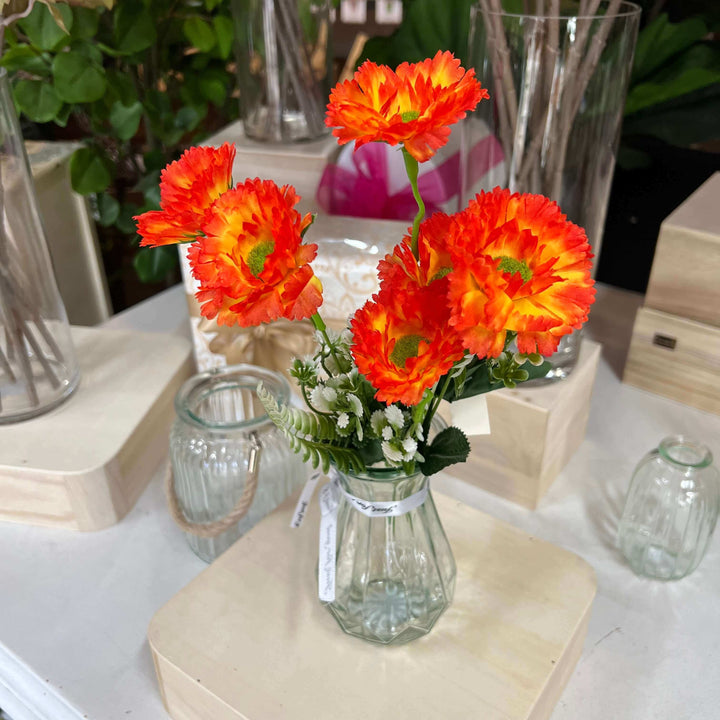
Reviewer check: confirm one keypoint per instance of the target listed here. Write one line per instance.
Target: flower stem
(437, 399)
(411, 167)
(320, 326)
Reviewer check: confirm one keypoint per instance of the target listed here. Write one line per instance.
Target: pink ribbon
(364, 190)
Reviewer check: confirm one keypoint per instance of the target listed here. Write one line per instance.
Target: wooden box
(85, 463)
(249, 640)
(685, 275)
(533, 433)
(675, 357)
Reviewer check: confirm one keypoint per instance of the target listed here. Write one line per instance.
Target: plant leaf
(37, 99)
(153, 264)
(224, 32)
(27, 59)
(108, 209)
(78, 79)
(134, 28)
(90, 171)
(125, 119)
(449, 446)
(42, 30)
(199, 33)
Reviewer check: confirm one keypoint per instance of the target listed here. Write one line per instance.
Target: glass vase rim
(273, 381)
(626, 9)
(668, 443)
(382, 474)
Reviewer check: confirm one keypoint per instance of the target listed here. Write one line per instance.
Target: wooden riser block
(249, 640)
(534, 431)
(686, 266)
(676, 358)
(84, 464)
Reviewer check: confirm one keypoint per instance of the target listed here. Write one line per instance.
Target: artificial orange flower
(434, 260)
(401, 344)
(252, 265)
(188, 188)
(412, 106)
(518, 265)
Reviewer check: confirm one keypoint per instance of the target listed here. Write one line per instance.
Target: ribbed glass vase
(671, 510)
(218, 419)
(394, 576)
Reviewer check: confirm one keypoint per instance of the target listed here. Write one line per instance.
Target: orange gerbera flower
(188, 188)
(401, 344)
(251, 264)
(518, 265)
(413, 105)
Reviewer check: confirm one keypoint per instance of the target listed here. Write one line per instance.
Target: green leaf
(224, 32)
(26, 59)
(199, 33)
(149, 186)
(125, 223)
(122, 87)
(153, 264)
(213, 85)
(85, 23)
(61, 119)
(90, 171)
(125, 119)
(42, 30)
(89, 50)
(449, 446)
(210, 5)
(661, 40)
(37, 100)
(78, 79)
(108, 209)
(188, 118)
(134, 27)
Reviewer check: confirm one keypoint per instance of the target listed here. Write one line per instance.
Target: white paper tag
(304, 499)
(471, 415)
(328, 537)
(353, 12)
(388, 12)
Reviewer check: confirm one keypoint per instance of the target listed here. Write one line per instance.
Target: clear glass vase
(557, 79)
(284, 67)
(394, 576)
(38, 368)
(219, 419)
(671, 510)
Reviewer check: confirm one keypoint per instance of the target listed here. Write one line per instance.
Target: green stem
(434, 407)
(411, 167)
(320, 326)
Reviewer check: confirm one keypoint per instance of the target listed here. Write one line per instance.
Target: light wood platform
(248, 638)
(84, 464)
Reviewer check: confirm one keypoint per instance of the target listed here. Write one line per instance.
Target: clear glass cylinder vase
(219, 420)
(557, 78)
(285, 67)
(670, 510)
(394, 576)
(38, 367)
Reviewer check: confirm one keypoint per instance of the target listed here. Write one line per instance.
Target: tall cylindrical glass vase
(557, 75)
(38, 368)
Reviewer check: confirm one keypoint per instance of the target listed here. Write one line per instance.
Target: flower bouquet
(467, 303)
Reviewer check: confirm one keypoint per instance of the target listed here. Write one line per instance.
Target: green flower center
(405, 347)
(409, 115)
(256, 257)
(512, 265)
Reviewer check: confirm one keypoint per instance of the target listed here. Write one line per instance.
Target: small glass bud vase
(671, 510)
(222, 438)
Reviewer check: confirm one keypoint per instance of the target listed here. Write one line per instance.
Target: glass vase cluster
(394, 576)
(219, 420)
(38, 367)
(671, 510)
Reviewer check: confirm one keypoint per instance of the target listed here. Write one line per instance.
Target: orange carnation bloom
(188, 187)
(401, 344)
(251, 264)
(518, 265)
(413, 105)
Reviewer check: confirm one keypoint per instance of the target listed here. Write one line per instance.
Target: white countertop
(74, 607)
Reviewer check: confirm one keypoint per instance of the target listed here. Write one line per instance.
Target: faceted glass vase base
(389, 613)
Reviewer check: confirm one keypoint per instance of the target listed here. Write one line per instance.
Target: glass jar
(220, 425)
(671, 510)
(285, 67)
(38, 368)
(394, 576)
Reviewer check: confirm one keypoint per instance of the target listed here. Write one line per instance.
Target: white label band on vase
(329, 504)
